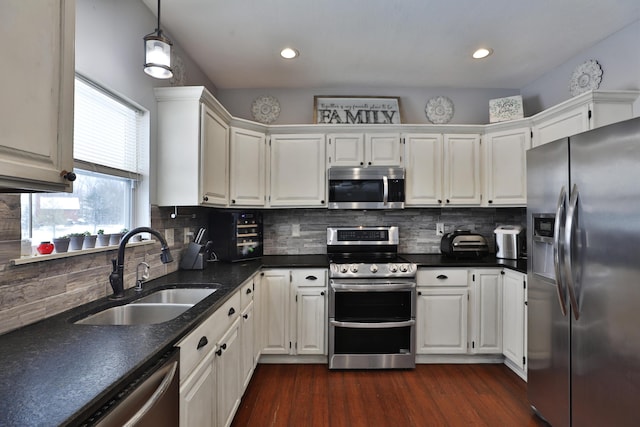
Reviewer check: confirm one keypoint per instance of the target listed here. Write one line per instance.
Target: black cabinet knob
(224, 346)
(490, 201)
(205, 198)
(246, 316)
(447, 200)
(219, 352)
(322, 202)
(233, 201)
(439, 200)
(419, 293)
(232, 311)
(361, 163)
(369, 163)
(69, 176)
(248, 291)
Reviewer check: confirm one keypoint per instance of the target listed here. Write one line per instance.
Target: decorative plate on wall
(439, 110)
(265, 109)
(587, 76)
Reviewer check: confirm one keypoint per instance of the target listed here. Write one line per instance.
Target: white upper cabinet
(193, 148)
(36, 116)
(297, 172)
(505, 166)
(581, 113)
(423, 161)
(248, 166)
(462, 185)
(357, 149)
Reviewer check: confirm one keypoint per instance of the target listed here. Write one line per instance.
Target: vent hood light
(289, 53)
(482, 53)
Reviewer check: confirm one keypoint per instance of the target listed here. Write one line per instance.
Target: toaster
(464, 244)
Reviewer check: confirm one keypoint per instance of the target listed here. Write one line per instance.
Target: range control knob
(344, 268)
(404, 268)
(393, 268)
(374, 268)
(354, 268)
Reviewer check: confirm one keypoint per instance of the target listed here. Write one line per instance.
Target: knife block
(192, 257)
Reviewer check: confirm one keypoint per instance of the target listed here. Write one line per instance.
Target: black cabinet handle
(369, 163)
(219, 352)
(224, 346)
(447, 200)
(232, 311)
(322, 293)
(69, 176)
(441, 277)
(322, 202)
(248, 291)
(311, 278)
(490, 201)
(246, 316)
(361, 163)
(203, 341)
(233, 201)
(205, 198)
(439, 200)
(419, 293)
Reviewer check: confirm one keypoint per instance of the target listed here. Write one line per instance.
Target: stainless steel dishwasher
(150, 400)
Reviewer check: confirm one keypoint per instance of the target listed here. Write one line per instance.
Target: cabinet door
(442, 321)
(275, 316)
(258, 308)
(513, 309)
(506, 166)
(560, 126)
(248, 167)
(228, 375)
(462, 169)
(197, 396)
(297, 171)
(247, 333)
(37, 86)
(486, 321)
(383, 149)
(215, 159)
(346, 149)
(423, 160)
(311, 321)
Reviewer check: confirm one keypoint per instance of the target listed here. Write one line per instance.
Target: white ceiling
(387, 43)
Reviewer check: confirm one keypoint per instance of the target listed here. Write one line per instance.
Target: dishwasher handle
(155, 397)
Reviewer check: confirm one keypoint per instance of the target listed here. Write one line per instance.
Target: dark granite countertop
(55, 372)
(438, 260)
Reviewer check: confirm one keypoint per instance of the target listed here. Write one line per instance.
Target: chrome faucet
(140, 278)
(116, 278)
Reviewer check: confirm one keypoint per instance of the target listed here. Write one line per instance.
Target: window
(107, 156)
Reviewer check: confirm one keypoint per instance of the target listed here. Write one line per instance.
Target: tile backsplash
(417, 226)
(36, 291)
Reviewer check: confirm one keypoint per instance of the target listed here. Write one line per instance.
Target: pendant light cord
(158, 29)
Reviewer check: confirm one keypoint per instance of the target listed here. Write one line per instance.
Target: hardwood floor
(430, 395)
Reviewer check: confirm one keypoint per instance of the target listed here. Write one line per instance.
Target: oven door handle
(381, 287)
(372, 325)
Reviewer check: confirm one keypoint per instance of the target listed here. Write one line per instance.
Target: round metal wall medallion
(587, 76)
(439, 110)
(265, 109)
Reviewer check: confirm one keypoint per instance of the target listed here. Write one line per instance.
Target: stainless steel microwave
(373, 187)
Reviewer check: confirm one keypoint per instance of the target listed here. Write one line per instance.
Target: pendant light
(157, 53)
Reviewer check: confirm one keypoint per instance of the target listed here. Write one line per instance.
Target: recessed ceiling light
(289, 53)
(482, 53)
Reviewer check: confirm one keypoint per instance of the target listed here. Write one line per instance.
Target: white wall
(109, 50)
(471, 106)
(619, 57)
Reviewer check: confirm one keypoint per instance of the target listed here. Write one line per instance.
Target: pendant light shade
(157, 53)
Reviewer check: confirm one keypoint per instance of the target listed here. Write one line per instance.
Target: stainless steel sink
(136, 314)
(176, 296)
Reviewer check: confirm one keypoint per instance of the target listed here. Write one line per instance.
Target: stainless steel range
(372, 300)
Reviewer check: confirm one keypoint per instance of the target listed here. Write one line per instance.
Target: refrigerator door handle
(557, 260)
(569, 233)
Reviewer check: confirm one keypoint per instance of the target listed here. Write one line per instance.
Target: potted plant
(102, 239)
(89, 240)
(116, 237)
(61, 244)
(75, 241)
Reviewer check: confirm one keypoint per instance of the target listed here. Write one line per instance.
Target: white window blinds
(105, 132)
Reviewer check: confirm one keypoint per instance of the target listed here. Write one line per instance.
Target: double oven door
(372, 323)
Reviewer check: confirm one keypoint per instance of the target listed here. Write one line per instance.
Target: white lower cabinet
(459, 311)
(227, 365)
(248, 354)
(514, 312)
(442, 320)
(486, 318)
(197, 395)
(294, 311)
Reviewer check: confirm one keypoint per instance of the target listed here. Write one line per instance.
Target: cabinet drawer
(442, 277)
(246, 293)
(202, 340)
(309, 277)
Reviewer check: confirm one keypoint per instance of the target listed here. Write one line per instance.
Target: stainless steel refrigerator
(583, 229)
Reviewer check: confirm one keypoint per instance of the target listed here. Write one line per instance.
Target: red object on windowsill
(45, 248)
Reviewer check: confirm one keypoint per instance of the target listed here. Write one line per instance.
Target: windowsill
(38, 258)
